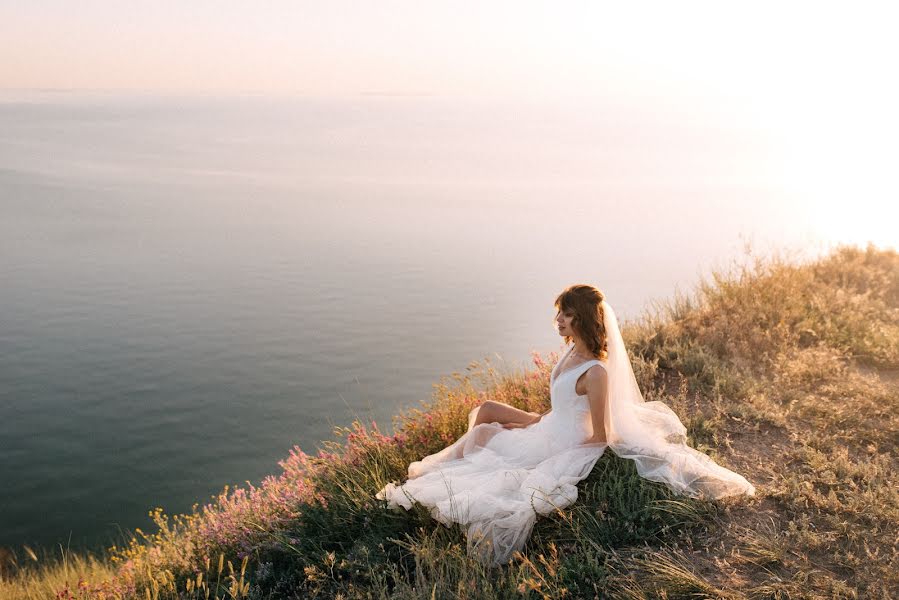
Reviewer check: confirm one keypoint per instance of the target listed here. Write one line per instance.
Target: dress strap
(581, 371)
(587, 363)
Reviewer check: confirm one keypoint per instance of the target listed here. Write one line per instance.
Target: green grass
(784, 371)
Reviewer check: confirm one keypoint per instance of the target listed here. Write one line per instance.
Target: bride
(511, 465)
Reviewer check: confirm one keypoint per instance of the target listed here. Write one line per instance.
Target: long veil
(652, 435)
(495, 481)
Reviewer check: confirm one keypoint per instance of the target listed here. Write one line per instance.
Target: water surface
(190, 286)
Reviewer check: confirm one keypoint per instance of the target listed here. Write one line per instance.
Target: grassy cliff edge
(784, 371)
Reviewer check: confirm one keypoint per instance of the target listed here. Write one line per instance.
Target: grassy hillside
(786, 372)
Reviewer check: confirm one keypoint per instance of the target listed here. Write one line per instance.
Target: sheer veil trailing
(495, 481)
(652, 435)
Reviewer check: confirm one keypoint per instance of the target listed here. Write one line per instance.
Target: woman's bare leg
(493, 411)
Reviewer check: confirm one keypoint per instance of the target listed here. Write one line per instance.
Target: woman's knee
(487, 410)
(491, 408)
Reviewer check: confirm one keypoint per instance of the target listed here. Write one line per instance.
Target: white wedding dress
(496, 481)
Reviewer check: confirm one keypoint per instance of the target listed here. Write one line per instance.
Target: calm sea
(191, 286)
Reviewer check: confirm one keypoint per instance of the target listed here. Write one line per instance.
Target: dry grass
(40, 574)
(785, 372)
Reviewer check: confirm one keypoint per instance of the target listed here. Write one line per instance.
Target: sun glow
(818, 83)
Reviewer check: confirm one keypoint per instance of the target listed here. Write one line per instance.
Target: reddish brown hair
(585, 301)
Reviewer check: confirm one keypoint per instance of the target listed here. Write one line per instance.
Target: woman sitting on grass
(512, 465)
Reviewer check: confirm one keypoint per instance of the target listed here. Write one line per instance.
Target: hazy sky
(818, 79)
(440, 47)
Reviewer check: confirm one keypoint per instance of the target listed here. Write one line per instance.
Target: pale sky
(819, 77)
(441, 47)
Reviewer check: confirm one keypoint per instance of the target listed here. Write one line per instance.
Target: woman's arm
(597, 382)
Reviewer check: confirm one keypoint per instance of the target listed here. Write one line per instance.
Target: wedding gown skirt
(496, 481)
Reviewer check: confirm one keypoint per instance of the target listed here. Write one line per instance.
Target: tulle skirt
(494, 482)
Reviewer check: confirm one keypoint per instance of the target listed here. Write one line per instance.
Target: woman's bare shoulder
(597, 373)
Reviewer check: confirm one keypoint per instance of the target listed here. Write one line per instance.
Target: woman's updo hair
(585, 301)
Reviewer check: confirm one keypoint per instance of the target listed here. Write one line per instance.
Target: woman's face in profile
(563, 322)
